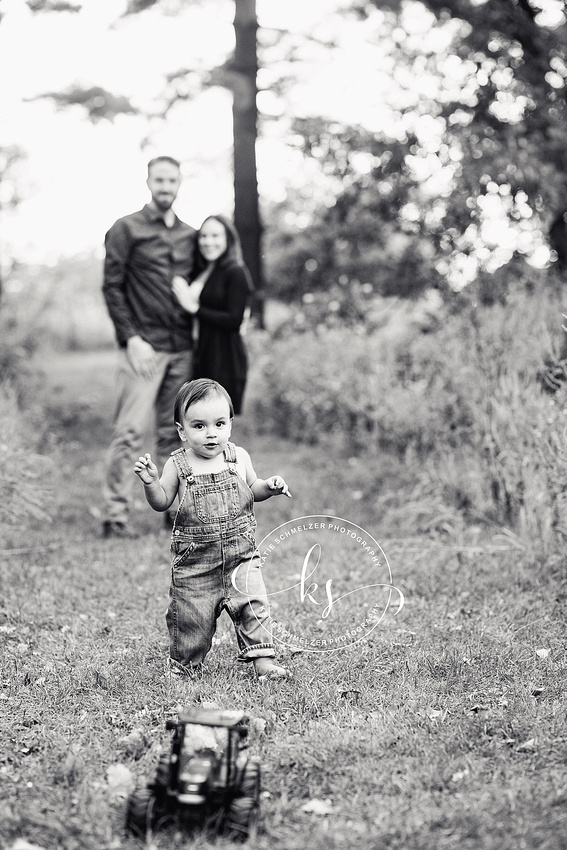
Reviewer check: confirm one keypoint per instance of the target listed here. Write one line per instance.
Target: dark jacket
(142, 256)
(221, 354)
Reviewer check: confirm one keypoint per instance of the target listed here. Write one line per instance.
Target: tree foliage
(355, 233)
(98, 103)
(52, 6)
(471, 173)
(517, 110)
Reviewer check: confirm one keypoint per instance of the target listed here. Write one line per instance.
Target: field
(445, 728)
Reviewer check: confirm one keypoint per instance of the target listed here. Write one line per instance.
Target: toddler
(215, 564)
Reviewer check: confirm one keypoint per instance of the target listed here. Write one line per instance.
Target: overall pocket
(181, 551)
(214, 502)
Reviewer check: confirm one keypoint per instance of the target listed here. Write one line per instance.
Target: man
(144, 251)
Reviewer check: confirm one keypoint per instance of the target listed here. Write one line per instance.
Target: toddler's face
(206, 426)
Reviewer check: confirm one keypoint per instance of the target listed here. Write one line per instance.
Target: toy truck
(206, 780)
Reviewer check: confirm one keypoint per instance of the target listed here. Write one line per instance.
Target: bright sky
(79, 177)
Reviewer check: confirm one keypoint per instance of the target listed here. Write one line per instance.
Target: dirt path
(81, 388)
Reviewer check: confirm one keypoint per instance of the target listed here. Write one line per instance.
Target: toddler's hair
(193, 391)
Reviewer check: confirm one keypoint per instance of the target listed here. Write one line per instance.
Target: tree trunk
(245, 115)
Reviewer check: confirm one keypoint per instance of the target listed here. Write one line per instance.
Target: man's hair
(157, 159)
(193, 391)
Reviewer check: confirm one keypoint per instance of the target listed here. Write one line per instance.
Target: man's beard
(164, 204)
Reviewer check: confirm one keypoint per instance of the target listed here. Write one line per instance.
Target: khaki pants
(139, 403)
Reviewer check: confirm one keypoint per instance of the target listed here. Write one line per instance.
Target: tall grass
(456, 395)
(26, 469)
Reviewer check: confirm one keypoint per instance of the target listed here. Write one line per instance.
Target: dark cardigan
(221, 354)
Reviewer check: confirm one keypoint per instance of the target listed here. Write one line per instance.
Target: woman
(218, 296)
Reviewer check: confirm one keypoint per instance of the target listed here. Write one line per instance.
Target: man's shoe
(118, 529)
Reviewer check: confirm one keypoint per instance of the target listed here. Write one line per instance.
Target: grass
(446, 729)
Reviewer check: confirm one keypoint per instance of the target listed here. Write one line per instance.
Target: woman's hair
(193, 391)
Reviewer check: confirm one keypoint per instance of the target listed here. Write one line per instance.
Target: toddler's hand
(146, 470)
(277, 483)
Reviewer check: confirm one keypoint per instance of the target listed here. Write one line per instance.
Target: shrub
(63, 303)
(458, 396)
(343, 383)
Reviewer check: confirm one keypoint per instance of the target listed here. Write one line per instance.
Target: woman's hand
(185, 294)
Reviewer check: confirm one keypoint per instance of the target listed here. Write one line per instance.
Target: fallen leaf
(433, 714)
(102, 679)
(352, 693)
(318, 807)
(528, 745)
(543, 653)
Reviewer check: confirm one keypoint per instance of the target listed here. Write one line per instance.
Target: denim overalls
(213, 535)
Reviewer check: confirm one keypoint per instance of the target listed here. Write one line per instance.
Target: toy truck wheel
(242, 818)
(139, 813)
(250, 782)
(162, 773)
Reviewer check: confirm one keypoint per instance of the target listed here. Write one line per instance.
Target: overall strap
(230, 453)
(230, 458)
(182, 465)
